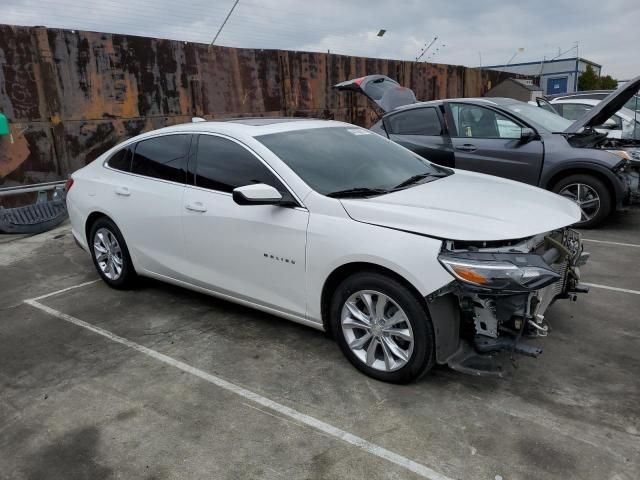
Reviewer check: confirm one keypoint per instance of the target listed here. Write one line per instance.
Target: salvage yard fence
(71, 95)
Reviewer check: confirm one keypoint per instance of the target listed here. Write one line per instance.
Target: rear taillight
(68, 184)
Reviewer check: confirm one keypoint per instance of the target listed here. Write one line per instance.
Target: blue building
(556, 76)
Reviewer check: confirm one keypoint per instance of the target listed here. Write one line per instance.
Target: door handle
(196, 207)
(467, 147)
(122, 191)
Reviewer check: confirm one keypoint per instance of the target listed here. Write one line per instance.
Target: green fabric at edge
(4, 125)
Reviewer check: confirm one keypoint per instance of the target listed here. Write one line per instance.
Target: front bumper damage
(493, 325)
(631, 174)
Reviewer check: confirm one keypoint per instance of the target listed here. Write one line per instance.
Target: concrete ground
(145, 397)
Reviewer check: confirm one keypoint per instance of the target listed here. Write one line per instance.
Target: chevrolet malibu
(404, 262)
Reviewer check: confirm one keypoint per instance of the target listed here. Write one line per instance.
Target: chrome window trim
(105, 163)
(258, 157)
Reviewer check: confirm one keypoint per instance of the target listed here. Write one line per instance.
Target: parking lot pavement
(145, 394)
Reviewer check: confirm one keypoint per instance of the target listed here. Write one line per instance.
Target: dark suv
(513, 139)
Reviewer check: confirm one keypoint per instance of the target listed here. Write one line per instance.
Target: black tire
(128, 275)
(603, 192)
(422, 357)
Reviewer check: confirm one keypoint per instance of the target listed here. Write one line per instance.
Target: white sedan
(404, 262)
(623, 124)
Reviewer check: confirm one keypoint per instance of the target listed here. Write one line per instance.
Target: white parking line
(607, 287)
(606, 242)
(312, 422)
(73, 287)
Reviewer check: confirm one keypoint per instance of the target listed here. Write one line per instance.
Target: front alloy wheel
(590, 194)
(382, 326)
(377, 330)
(585, 197)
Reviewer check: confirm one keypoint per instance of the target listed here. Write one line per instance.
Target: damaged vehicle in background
(622, 125)
(633, 103)
(515, 140)
(406, 263)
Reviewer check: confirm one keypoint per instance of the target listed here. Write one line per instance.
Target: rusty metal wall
(71, 95)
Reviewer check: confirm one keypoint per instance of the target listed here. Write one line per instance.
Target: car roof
(497, 101)
(249, 126)
(584, 101)
(580, 93)
(258, 121)
(624, 112)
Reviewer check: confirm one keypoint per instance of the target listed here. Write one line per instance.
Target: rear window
(378, 87)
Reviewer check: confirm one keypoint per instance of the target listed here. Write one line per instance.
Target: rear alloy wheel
(590, 194)
(382, 328)
(110, 254)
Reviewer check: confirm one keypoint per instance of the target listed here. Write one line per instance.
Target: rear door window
(417, 121)
(163, 157)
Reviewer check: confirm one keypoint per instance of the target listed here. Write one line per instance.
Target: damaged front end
(628, 149)
(629, 168)
(501, 293)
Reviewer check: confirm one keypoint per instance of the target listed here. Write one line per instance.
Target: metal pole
(223, 23)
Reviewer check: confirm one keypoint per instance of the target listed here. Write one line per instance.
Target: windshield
(633, 103)
(630, 124)
(337, 159)
(550, 121)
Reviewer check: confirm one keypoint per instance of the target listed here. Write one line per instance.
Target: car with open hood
(405, 262)
(623, 125)
(515, 140)
(632, 104)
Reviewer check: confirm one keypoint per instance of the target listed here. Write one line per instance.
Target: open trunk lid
(385, 92)
(606, 108)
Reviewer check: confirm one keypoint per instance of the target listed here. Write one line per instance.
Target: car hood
(606, 108)
(467, 206)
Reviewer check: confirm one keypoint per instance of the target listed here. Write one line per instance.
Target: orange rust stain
(129, 106)
(12, 155)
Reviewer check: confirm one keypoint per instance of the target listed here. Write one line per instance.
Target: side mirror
(257, 194)
(4, 125)
(527, 134)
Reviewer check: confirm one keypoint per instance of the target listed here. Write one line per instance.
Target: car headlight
(621, 153)
(510, 273)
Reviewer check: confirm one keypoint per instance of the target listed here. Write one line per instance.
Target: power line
(427, 47)
(224, 23)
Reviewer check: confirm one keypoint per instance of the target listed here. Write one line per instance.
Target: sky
(469, 32)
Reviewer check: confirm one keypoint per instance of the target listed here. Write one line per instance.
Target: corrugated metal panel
(71, 95)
